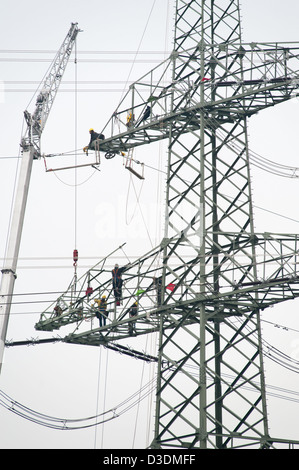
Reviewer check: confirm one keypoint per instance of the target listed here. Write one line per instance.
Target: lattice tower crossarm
(216, 273)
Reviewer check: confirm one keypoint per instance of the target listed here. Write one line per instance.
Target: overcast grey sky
(71, 381)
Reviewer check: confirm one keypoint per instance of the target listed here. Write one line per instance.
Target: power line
(80, 423)
(69, 90)
(276, 325)
(90, 52)
(279, 357)
(126, 405)
(70, 82)
(114, 61)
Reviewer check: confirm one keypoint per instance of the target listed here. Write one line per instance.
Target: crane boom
(47, 92)
(31, 150)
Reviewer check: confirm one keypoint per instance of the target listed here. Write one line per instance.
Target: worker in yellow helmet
(94, 141)
(101, 312)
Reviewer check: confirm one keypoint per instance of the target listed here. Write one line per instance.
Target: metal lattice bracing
(47, 92)
(204, 286)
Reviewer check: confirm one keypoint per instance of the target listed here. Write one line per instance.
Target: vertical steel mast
(203, 31)
(31, 150)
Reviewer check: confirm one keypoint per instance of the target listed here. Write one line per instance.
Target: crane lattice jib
(217, 274)
(47, 92)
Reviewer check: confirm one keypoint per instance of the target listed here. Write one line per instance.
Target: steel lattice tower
(211, 387)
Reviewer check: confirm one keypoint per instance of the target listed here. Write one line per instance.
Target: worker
(88, 292)
(57, 310)
(94, 140)
(133, 312)
(157, 282)
(146, 114)
(101, 312)
(130, 120)
(117, 283)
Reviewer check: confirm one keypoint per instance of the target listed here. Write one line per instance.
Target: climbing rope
(137, 52)
(137, 199)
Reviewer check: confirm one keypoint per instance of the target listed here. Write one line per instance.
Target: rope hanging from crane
(75, 259)
(75, 252)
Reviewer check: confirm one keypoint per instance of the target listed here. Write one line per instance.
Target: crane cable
(75, 132)
(125, 86)
(12, 199)
(137, 203)
(138, 49)
(137, 196)
(75, 251)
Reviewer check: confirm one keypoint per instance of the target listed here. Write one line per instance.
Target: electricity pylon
(31, 150)
(216, 274)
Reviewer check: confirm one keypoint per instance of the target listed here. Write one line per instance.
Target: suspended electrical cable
(104, 398)
(138, 405)
(285, 328)
(98, 395)
(11, 157)
(85, 61)
(83, 82)
(76, 184)
(123, 407)
(76, 145)
(13, 196)
(141, 212)
(159, 183)
(261, 162)
(138, 49)
(79, 423)
(28, 302)
(275, 355)
(69, 90)
(281, 358)
(124, 157)
(38, 51)
(131, 182)
(294, 393)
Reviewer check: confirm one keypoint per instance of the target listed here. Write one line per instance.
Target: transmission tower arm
(31, 150)
(236, 82)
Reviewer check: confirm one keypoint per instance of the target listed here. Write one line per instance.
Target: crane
(30, 144)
